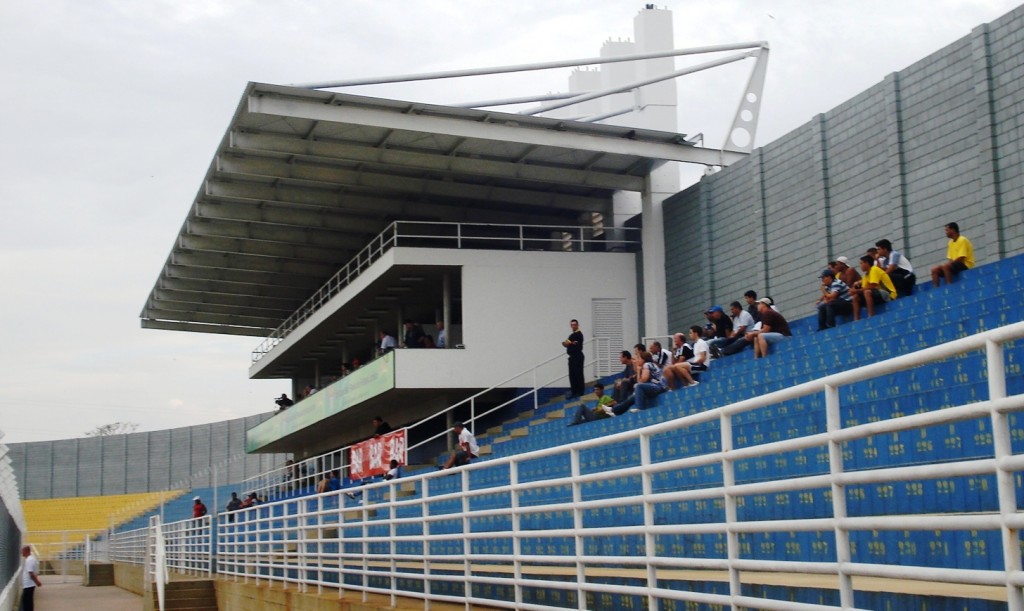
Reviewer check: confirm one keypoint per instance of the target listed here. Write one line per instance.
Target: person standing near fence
(29, 579)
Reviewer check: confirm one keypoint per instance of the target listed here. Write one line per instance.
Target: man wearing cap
(198, 509)
(468, 449)
(959, 256)
(874, 287)
(844, 272)
(835, 299)
(774, 328)
(721, 325)
(741, 321)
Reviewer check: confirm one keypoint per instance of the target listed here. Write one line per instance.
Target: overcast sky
(112, 110)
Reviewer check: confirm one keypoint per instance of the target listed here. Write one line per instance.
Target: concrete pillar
(446, 308)
(989, 191)
(660, 184)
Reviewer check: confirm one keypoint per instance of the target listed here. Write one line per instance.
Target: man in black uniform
(574, 348)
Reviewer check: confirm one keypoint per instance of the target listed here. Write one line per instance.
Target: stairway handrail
(270, 480)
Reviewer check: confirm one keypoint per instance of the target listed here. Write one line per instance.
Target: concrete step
(189, 595)
(100, 574)
(555, 414)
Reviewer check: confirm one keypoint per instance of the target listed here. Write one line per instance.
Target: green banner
(370, 380)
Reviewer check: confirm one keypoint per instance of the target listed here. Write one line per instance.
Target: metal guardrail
(129, 546)
(327, 540)
(447, 235)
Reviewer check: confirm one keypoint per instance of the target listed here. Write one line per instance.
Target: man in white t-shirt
(387, 342)
(29, 579)
(468, 449)
(683, 366)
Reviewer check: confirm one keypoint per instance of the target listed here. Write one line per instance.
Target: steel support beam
(410, 208)
(280, 251)
(389, 158)
(505, 131)
(284, 215)
(565, 63)
(291, 234)
(251, 263)
(286, 296)
(214, 319)
(376, 182)
(283, 281)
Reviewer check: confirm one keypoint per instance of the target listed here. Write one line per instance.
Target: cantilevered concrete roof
(303, 179)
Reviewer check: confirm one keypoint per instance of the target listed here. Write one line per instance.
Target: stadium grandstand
(875, 465)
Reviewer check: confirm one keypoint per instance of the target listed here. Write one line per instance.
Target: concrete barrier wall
(139, 462)
(130, 577)
(940, 141)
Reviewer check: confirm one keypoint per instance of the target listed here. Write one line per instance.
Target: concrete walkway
(57, 596)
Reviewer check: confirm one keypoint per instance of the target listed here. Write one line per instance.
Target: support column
(897, 207)
(988, 193)
(761, 209)
(661, 183)
(446, 308)
(399, 329)
(824, 214)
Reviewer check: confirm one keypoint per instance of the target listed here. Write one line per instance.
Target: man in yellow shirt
(959, 256)
(875, 286)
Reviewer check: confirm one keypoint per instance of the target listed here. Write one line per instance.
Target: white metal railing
(157, 575)
(188, 545)
(288, 480)
(129, 546)
(448, 235)
(328, 539)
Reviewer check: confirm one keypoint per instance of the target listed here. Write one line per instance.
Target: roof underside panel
(303, 180)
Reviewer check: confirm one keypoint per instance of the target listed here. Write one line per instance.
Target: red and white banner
(373, 456)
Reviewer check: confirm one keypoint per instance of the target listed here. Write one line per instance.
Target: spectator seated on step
(900, 271)
(774, 328)
(875, 287)
(835, 300)
(601, 409)
(959, 256)
(650, 383)
(688, 360)
(624, 385)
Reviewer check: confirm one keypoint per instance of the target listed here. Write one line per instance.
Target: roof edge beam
(167, 325)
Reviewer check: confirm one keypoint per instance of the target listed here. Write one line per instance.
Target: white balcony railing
(488, 236)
